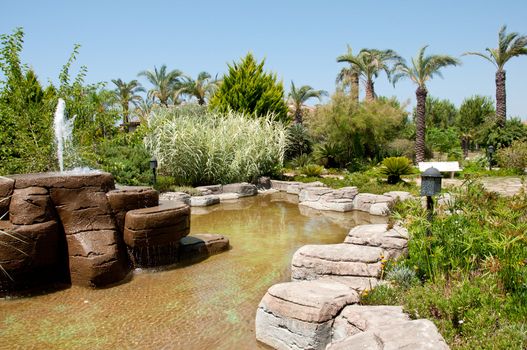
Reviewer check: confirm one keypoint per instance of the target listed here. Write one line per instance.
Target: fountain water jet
(63, 130)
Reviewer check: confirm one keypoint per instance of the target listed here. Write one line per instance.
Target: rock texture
(299, 315)
(202, 245)
(323, 198)
(6, 189)
(128, 198)
(393, 240)
(282, 185)
(381, 204)
(297, 187)
(31, 205)
(211, 189)
(204, 201)
(176, 197)
(382, 328)
(243, 189)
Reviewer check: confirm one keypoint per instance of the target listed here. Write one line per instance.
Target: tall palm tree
(509, 46)
(423, 68)
(201, 88)
(349, 76)
(298, 98)
(126, 93)
(164, 82)
(370, 63)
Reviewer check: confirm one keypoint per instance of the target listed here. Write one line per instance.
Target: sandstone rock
(31, 205)
(282, 185)
(295, 188)
(202, 245)
(382, 327)
(323, 198)
(317, 261)
(176, 197)
(204, 201)
(394, 241)
(299, 315)
(243, 189)
(128, 198)
(101, 180)
(228, 196)
(399, 195)
(363, 201)
(263, 183)
(210, 189)
(380, 209)
(6, 189)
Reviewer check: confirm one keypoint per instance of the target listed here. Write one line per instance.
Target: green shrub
(164, 183)
(402, 276)
(395, 167)
(401, 148)
(197, 147)
(301, 161)
(312, 170)
(298, 141)
(329, 154)
(513, 157)
(249, 90)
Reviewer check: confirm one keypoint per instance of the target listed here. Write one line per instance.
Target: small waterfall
(63, 130)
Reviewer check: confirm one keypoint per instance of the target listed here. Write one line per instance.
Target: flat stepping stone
(202, 245)
(126, 198)
(323, 198)
(301, 313)
(393, 240)
(204, 201)
(374, 204)
(327, 260)
(243, 189)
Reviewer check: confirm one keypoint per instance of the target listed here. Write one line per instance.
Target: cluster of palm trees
(168, 88)
(369, 63)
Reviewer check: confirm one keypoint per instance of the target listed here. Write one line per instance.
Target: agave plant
(314, 170)
(395, 167)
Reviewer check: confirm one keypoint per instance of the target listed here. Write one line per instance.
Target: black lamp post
(490, 151)
(153, 166)
(430, 186)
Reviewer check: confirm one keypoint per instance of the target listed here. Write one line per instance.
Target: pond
(207, 305)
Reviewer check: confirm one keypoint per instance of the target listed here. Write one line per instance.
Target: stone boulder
(128, 198)
(355, 265)
(399, 195)
(263, 183)
(228, 196)
(297, 187)
(323, 198)
(382, 327)
(175, 197)
(31, 205)
(6, 189)
(364, 202)
(204, 201)
(103, 181)
(211, 189)
(243, 189)
(393, 240)
(299, 315)
(282, 185)
(202, 245)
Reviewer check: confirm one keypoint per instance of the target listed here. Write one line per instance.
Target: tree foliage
(248, 89)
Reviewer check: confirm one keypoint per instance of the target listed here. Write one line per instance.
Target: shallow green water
(207, 305)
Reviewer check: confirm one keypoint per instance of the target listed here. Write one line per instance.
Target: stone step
(202, 245)
(126, 198)
(394, 240)
(301, 313)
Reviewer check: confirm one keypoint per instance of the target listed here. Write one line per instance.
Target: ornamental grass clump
(200, 147)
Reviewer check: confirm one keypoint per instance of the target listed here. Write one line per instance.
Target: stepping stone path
(318, 310)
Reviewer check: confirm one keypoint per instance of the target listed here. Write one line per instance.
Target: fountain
(63, 131)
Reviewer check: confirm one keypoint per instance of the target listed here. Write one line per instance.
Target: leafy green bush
(329, 154)
(298, 141)
(301, 161)
(248, 89)
(198, 147)
(401, 148)
(312, 170)
(395, 167)
(402, 276)
(513, 157)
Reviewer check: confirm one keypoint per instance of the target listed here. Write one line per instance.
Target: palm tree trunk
(354, 91)
(126, 120)
(501, 98)
(298, 116)
(420, 128)
(370, 91)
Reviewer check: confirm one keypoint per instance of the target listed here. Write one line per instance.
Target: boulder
(6, 189)
(72, 180)
(128, 198)
(399, 195)
(382, 327)
(299, 315)
(202, 245)
(243, 189)
(282, 185)
(211, 189)
(393, 240)
(296, 187)
(228, 196)
(336, 260)
(364, 201)
(323, 198)
(380, 209)
(204, 201)
(31, 205)
(263, 183)
(175, 197)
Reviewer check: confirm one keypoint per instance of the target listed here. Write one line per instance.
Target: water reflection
(208, 305)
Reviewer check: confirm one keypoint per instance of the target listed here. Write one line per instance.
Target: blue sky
(299, 39)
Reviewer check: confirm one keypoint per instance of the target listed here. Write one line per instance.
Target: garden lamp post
(153, 166)
(490, 151)
(430, 186)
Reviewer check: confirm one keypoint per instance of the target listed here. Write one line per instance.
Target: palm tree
(297, 98)
(126, 93)
(201, 88)
(165, 83)
(349, 76)
(423, 68)
(370, 62)
(142, 109)
(509, 46)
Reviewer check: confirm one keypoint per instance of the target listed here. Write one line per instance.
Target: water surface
(207, 305)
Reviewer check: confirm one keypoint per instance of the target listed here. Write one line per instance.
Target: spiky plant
(126, 93)
(164, 83)
(201, 88)
(509, 45)
(395, 167)
(298, 98)
(423, 69)
(349, 76)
